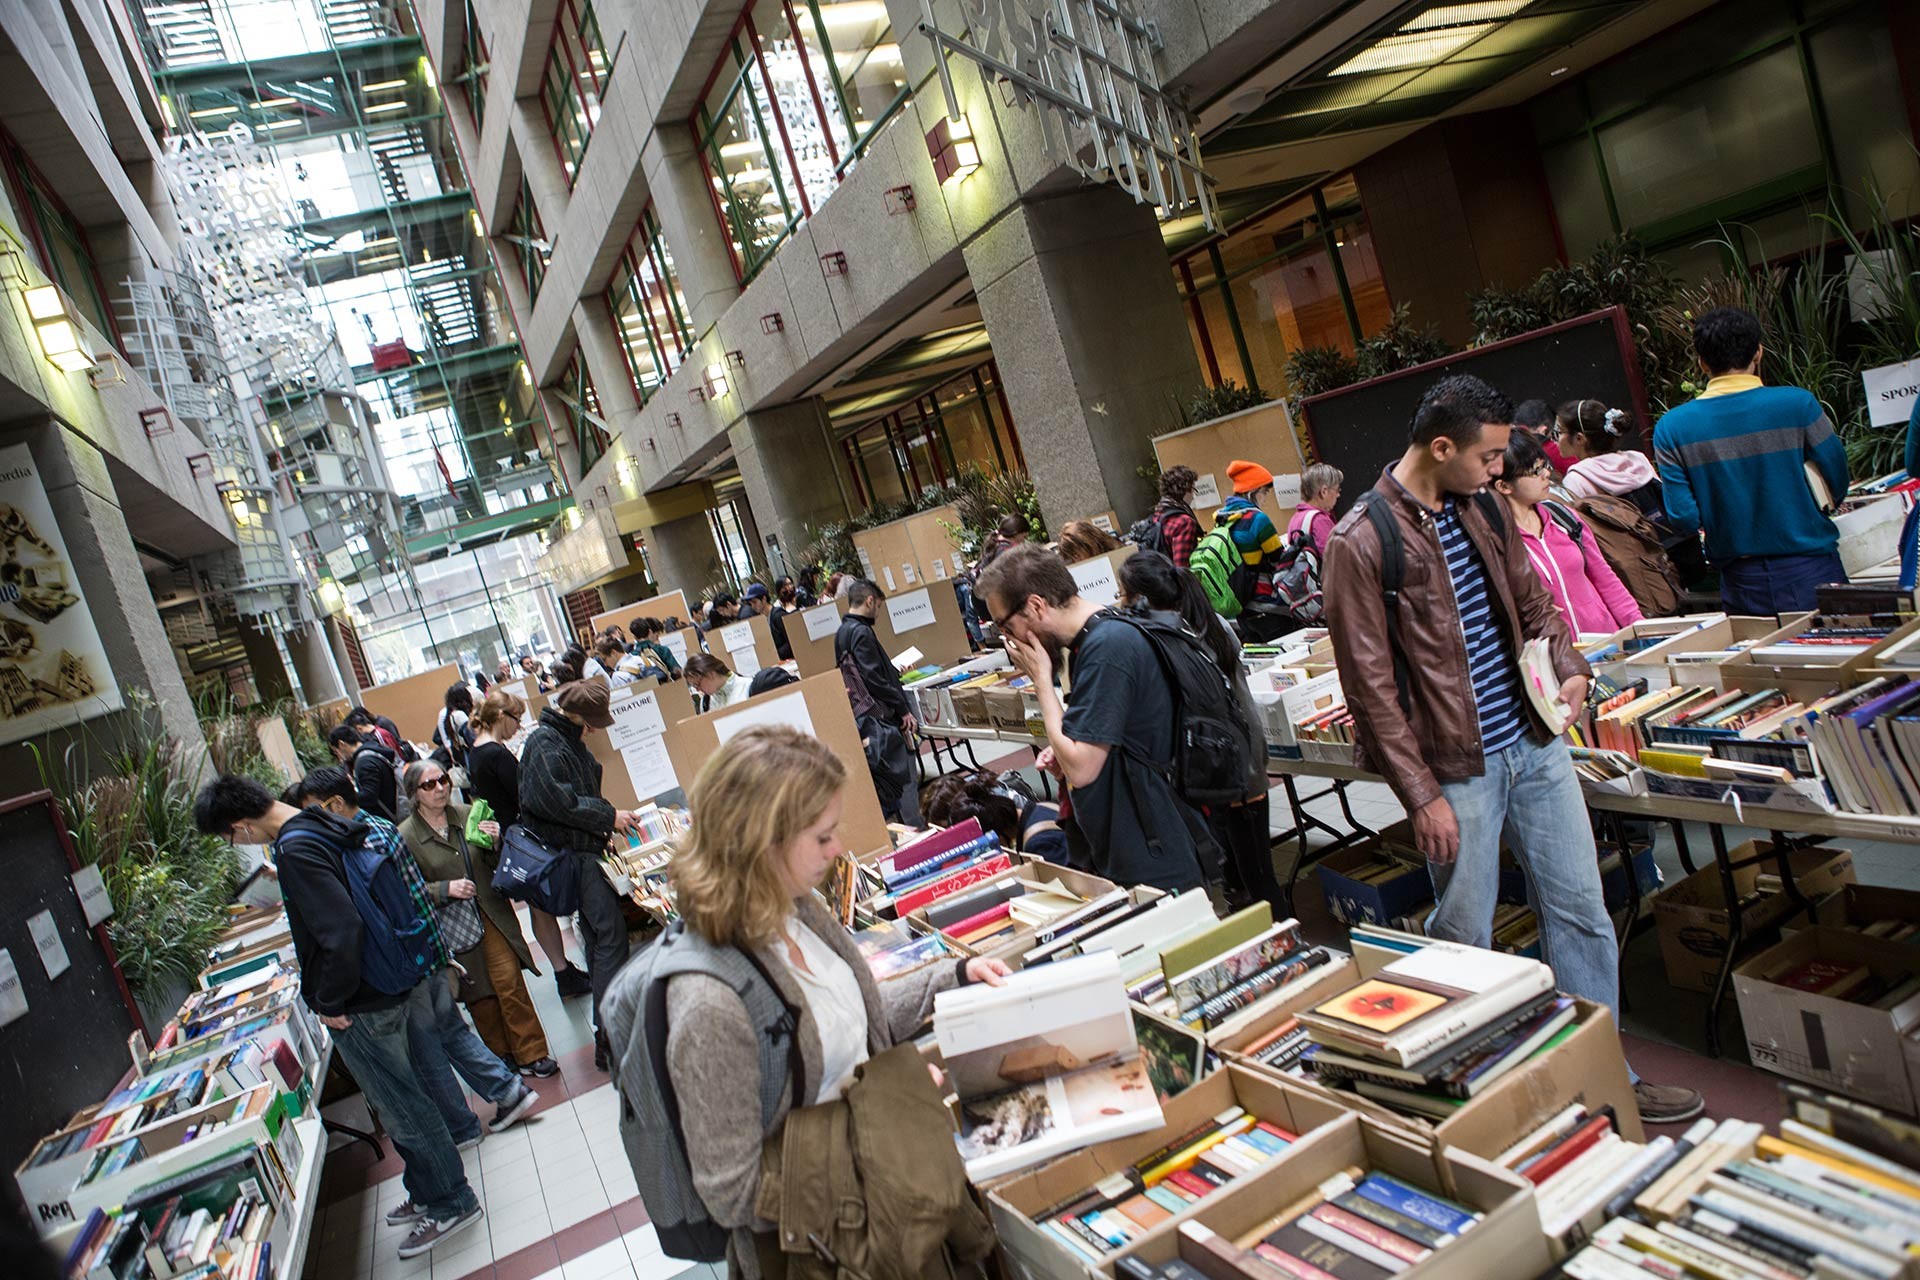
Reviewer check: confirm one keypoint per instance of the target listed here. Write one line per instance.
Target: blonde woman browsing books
(766, 812)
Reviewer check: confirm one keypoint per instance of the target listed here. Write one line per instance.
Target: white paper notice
(907, 574)
(958, 564)
(1286, 490)
(676, 643)
(1096, 581)
(95, 904)
(46, 940)
(650, 767)
(1206, 491)
(866, 564)
(1891, 390)
(886, 571)
(635, 718)
(736, 637)
(822, 620)
(1103, 522)
(789, 709)
(13, 1000)
(939, 569)
(745, 662)
(911, 611)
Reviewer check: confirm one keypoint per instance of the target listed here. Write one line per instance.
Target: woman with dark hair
(454, 735)
(1032, 826)
(1150, 581)
(1595, 440)
(786, 600)
(712, 684)
(1560, 546)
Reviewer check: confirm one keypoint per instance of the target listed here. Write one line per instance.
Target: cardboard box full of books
(1694, 920)
(1035, 1252)
(1609, 657)
(1834, 1008)
(1376, 881)
(1696, 657)
(1791, 658)
(1506, 1241)
(1893, 914)
(1015, 711)
(1233, 1037)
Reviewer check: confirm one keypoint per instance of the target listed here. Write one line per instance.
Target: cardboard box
(970, 708)
(1744, 669)
(1015, 711)
(1850, 1048)
(1654, 630)
(1507, 1242)
(1686, 657)
(1855, 906)
(1353, 901)
(1011, 947)
(1694, 920)
(1033, 1251)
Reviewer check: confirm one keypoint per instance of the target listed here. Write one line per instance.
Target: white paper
(46, 940)
(789, 709)
(866, 563)
(1286, 490)
(636, 718)
(95, 903)
(886, 571)
(1103, 522)
(911, 611)
(822, 620)
(650, 767)
(1206, 491)
(1891, 391)
(939, 569)
(676, 643)
(958, 564)
(1097, 581)
(906, 573)
(13, 1000)
(745, 662)
(905, 661)
(736, 636)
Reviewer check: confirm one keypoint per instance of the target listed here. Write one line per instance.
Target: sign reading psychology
(1096, 581)
(911, 611)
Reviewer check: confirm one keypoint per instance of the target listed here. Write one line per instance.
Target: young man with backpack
(365, 953)
(373, 769)
(1132, 742)
(1172, 529)
(1430, 601)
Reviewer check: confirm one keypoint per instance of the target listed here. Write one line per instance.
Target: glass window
(583, 411)
(58, 239)
(1860, 81)
(529, 241)
(648, 309)
(574, 83)
(473, 76)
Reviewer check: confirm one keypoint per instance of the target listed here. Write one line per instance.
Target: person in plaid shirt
(1179, 527)
(446, 1043)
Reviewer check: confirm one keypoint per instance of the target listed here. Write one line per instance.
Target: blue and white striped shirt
(1490, 660)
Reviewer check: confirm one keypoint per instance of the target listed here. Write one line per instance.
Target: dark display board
(69, 1049)
(1363, 428)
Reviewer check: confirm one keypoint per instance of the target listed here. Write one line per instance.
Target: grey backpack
(634, 1014)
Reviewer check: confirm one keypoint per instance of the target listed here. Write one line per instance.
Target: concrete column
(314, 666)
(1091, 344)
(271, 679)
(683, 554)
(788, 468)
(678, 186)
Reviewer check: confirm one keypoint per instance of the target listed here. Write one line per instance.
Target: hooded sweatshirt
(321, 916)
(1619, 473)
(1589, 593)
(375, 780)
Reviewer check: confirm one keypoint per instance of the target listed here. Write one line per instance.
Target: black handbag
(536, 873)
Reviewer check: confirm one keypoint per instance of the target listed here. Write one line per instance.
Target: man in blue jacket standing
(1738, 461)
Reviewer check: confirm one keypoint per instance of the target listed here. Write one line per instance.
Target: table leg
(1304, 822)
(358, 1135)
(1680, 846)
(1782, 853)
(1734, 935)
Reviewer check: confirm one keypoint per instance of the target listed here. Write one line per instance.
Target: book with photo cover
(1048, 1063)
(1230, 968)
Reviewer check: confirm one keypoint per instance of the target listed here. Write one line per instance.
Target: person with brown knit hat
(1253, 529)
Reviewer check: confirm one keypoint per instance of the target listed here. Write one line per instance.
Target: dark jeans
(603, 929)
(442, 1043)
(1248, 846)
(1760, 586)
(376, 1052)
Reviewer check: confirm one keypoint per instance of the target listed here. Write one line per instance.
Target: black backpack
(1210, 763)
(1393, 574)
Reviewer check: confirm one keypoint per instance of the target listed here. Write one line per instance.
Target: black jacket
(560, 800)
(321, 916)
(374, 779)
(856, 637)
(777, 625)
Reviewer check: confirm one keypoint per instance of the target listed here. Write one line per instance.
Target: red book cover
(1298, 1267)
(958, 880)
(1198, 1188)
(960, 928)
(1371, 1233)
(1558, 1158)
(1276, 1130)
(1816, 975)
(935, 843)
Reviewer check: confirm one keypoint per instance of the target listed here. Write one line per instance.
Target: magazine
(1046, 1064)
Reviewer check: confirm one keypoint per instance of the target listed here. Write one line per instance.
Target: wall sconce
(157, 421)
(648, 442)
(602, 491)
(698, 395)
(111, 373)
(899, 200)
(955, 153)
(59, 336)
(716, 381)
(623, 472)
(737, 359)
(224, 487)
(772, 323)
(199, 464)
(833, 264)
(673, 420)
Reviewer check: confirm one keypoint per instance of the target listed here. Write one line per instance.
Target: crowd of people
(1497, 526)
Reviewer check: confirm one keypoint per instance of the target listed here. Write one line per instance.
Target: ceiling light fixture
(266, 103)
(386, 106)
(207, 113)
(1454, 15)
(59, 336)
(1411, 49)
(384, 84)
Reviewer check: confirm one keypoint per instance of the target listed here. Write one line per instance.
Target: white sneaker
(517, 1110)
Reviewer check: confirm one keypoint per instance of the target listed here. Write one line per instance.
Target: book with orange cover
(940, 888)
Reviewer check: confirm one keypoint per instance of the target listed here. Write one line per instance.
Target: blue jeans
(442, 1043)
(1530, 793)
(375, 1049)
(1761, 586)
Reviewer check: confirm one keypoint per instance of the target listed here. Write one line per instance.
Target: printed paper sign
(745, 662)
(1103, 522)
(1206, 491)
(13, 1000)
(886, 571)
(939, 569)
(906, 573)
(650, 768)
(866, 563)
(1891, 391)
(958, 564)
(676, 643)
(46, 940)
(822, 620)
(911, 611)
(736, 637)
(635, 719)
(95, 903)
(1097, 580)
(1286, 490)
(789, 709)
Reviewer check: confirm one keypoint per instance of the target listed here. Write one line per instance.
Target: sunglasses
(432, 784)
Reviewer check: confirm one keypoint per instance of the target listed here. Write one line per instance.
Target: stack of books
(1868, 743)
(1435, 1026)
(1132, 1201)
(1138, 934)
(1824, 644)
(893, 952)
(1330, 728)
(1281, 1048)
(1846, 980)
(1584, 1171)
(937, 866)
(1229, 970)
(210, 1221)
(1356, 1225)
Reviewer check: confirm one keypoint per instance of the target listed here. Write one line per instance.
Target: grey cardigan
(713, 1058)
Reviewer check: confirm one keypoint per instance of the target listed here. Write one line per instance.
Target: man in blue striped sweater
(1736, 462)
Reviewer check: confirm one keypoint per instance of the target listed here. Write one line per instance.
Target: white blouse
(832, 993)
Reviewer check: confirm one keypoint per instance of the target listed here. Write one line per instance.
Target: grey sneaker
(405, 1211)
(428, 1232)
(513, 1111)
(472, 1142)
(1667, 1103)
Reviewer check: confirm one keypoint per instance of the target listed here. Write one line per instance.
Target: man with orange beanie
(1252, 529)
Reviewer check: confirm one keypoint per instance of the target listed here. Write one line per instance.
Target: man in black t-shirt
(1113, 745)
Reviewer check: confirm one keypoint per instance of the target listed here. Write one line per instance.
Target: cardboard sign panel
(1099, 578)
(668, 604)
(415, 702)
(931, 614)
(745, 646)
(1263, 434)
(810, 635)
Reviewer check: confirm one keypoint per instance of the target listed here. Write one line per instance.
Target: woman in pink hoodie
(1561, 548)
(1595, 441)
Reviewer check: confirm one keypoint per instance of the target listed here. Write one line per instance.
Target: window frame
(570, 26)
(645, 280)
(581, 398)
(43, 216)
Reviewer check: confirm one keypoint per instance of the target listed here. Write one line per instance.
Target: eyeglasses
(1002, 622)
(432, 784)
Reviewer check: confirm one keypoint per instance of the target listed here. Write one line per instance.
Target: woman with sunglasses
(493, 775)
(493, 991)
(1560, 547)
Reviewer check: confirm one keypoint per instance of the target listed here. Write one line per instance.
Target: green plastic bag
(481, 812)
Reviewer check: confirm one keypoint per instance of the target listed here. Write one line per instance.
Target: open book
(1046, 1064)
(1543, 685)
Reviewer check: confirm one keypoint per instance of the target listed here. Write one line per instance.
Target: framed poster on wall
(53, 668)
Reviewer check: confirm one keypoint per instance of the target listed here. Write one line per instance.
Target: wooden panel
(1264, 435)
(944, 641)
(616, 784)
(581, 605)
(277, 744)
(813, 657)
(933, 544)
(760, 654)
(689, 639)
(668, 604)
(415, 702)
(900, 555)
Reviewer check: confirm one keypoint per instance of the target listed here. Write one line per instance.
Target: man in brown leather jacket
(1461, 745)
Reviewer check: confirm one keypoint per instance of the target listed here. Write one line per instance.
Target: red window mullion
(806, 65)
(780, 121)
(713, 195)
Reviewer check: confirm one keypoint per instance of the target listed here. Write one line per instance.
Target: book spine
(941, 888)
(1415, 1203)
(907, 877)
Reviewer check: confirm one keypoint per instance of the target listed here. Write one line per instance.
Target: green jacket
(440, 862)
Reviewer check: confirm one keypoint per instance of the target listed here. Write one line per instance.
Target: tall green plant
(1398, 344)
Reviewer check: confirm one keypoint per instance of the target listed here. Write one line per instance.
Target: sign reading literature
(636, 718)
(911, 611)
